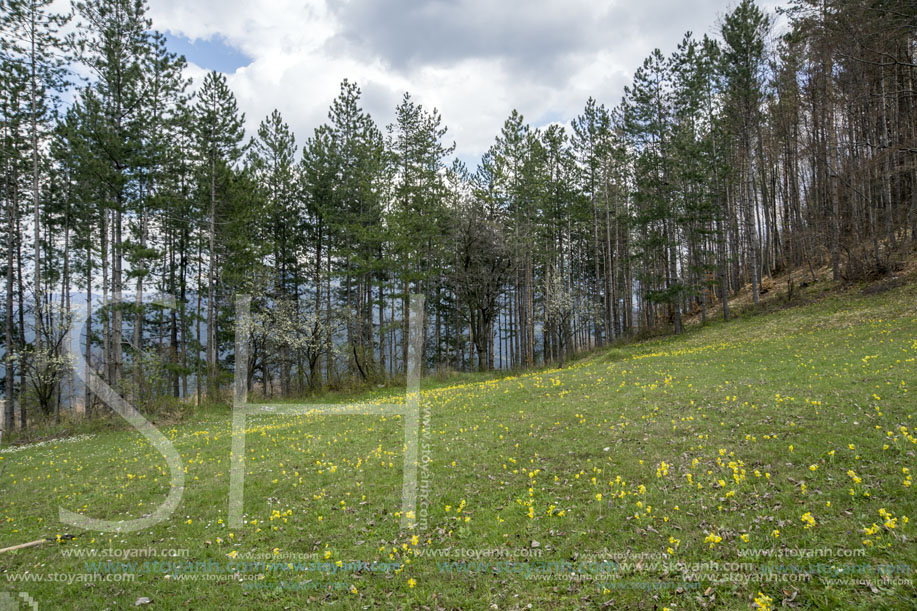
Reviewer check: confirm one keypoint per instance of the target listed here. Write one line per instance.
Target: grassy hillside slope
(765, 461)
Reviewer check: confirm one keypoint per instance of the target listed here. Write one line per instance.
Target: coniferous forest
(134, 199)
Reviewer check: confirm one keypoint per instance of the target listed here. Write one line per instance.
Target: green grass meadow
(756, 464)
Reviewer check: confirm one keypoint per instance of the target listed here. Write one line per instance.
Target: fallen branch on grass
(37, 542)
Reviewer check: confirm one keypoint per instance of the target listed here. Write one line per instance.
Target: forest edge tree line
(728, 161)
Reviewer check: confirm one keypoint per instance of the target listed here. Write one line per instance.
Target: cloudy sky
(474, 60)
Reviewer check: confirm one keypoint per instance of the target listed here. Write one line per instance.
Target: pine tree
(13, 160)
(591, 141)
(113, 42)
(219, 129)
(417, 157)
(359, 157)
(742, 61)
(162, 105)
(31, 37)
(272, 163)
(647, 111)
(694, 164)
(319, 182)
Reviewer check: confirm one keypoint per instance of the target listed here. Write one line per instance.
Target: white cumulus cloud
(474, 60)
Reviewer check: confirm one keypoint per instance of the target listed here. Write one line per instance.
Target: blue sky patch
(212, 54)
